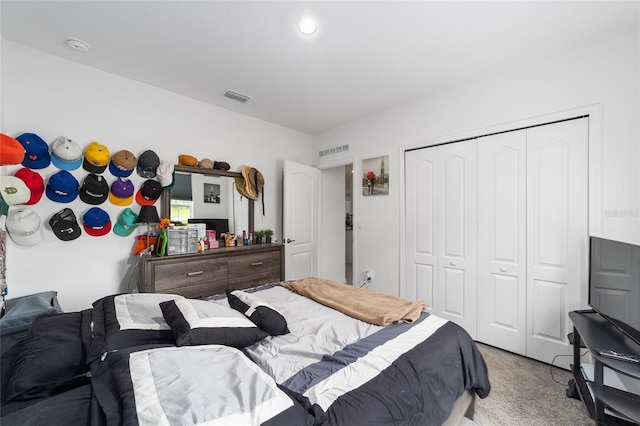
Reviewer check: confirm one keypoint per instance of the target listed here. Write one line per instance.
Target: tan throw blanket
(361, 303)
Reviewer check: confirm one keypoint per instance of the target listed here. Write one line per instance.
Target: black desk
(594, 332)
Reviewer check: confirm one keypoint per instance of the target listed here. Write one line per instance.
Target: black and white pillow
(259, 312)
(129, 320)
(198, 322)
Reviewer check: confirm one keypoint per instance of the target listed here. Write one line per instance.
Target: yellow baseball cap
(96, 158)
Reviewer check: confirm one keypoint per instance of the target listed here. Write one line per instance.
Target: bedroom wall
(51, 97)
(604, 73)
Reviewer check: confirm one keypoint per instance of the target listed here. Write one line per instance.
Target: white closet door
(502, 259)
(557, 234)
(420, 220)
(455, 292)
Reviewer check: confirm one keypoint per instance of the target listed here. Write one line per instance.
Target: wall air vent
(236, 96)
(332, 151)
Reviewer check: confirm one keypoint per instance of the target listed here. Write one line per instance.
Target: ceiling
(364, 58)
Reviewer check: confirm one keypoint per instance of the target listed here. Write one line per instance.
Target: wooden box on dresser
(213, 271)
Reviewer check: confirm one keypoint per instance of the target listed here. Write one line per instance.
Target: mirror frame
(166, 196)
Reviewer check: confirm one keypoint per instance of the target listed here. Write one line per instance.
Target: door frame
(354, 204)
(595, 216)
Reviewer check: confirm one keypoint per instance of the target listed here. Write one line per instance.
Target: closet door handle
(503, 269)
(190, 274)
(452, 263)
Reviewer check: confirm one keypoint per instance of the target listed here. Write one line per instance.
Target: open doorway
(336, 223)
(348, 207)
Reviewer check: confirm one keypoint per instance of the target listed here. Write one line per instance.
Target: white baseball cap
(66, 154)
(24, 226)
(14, 190)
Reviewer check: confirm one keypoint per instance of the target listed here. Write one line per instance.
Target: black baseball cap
(94, 189)
(65, 225)
(148, 162)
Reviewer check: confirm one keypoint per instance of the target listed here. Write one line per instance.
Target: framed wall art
(375, 176)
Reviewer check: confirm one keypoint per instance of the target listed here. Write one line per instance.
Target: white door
(420, 225)
(502, 256)
(456, 290)
(557, 234)
(300, 220)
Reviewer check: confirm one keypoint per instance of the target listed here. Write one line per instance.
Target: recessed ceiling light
(77, 44)
(306, 26)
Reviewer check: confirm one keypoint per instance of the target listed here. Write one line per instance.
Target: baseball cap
(14, 190)
(148, 162)
(166, 175)
(66, 154)
(34, 182)
(96, 158)
(96, 222)
(149, 192)
(36, 154)
(11, 151)
(187, 160)
(65, 225)
(121, 193)
(63, 187)
(122, 163)
(94, 189)
(24, 227)
(126, 223)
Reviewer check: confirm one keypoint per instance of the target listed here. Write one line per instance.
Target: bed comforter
(329, 369)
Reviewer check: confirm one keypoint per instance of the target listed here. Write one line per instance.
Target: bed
(264, 356)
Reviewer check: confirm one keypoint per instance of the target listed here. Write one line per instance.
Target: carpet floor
(524, 393)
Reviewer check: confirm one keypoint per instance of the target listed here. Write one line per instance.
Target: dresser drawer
(247, 281)
(178, 275)
(255, 263)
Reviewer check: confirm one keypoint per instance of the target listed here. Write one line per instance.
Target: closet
(496, 234)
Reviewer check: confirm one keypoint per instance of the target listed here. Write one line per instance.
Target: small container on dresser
(182, 241)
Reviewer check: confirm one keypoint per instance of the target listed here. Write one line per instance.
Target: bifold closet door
(502, 238)
(455, 290)
(440, 221)
(557, 234)
(420, 224)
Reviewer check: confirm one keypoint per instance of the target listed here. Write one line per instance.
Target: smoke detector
(77, 44)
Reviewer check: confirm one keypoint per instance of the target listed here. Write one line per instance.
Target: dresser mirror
(207, 196)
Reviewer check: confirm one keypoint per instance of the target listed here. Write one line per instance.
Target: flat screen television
(614, 283)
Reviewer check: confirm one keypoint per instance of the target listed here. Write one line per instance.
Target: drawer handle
(256, 264)
(190, 274)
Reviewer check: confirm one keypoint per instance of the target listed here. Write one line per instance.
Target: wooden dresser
(213, 271)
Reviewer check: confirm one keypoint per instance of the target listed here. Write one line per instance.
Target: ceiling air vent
(335, 150)
(236, 96)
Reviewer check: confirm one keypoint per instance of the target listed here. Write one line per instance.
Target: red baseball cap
(34, 182)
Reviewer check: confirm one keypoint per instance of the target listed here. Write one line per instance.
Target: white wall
(605, 73)
(51, 97)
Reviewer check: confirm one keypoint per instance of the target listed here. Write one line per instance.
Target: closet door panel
(455, 293)
(557, 234)
(502, 241)
(420, 230)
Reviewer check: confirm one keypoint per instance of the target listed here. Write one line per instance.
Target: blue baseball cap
(36, 154)
(96, 222)
(63, 187)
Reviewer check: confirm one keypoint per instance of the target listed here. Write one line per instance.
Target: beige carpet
(524, 393)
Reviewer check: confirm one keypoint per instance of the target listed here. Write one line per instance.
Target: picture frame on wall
(212, 193)
(375, 176)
